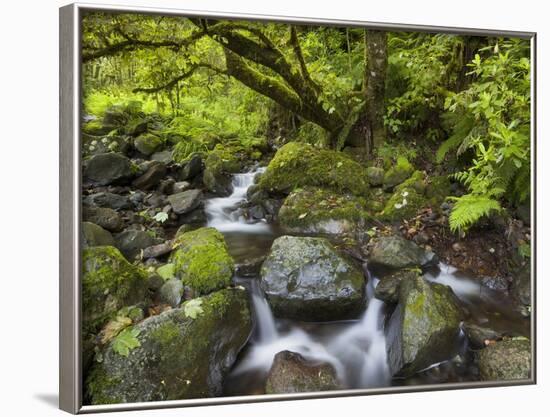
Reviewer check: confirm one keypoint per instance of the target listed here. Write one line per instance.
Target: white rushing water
(357, 350)
(222, 212)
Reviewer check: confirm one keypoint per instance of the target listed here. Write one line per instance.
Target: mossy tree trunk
(376, 56)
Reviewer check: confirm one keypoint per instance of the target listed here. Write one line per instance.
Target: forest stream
(355, 348)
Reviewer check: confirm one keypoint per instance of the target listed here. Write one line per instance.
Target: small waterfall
(223, 212)
(267, 330)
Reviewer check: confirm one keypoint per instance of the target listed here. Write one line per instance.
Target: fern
(468, 209)
(185, 148)
(460, 132)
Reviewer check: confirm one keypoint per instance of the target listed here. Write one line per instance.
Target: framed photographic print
(259, 208)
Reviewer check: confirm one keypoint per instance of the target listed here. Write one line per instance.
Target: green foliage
(125, 341)
(524, 250)
(422, 68)
(492, 122)
(469, 208)
(192, 308)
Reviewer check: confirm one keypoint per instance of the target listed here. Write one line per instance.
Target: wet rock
(375, 176)
(154, 282)
(197, 216)
(163, 156)
(521, 284)
(201, 260)
(424, 327)
(256, 212)
(397, 253)
(156, 251)
(181, 186)
(505, 360)
(104, 217)
(132, 242)
(94, 235)
(255, 195)
(292, 373)
(387, 289)
(178, 357)
(250, 267)
(304, 278)
(219, 165)
(192, 168)
(136, 198)
(312, 210)
(478, 335)
(151, 177)
(147, 143)
(171, 292)
(156, 200)
(403, 204)
(109, 200)
(272, 206)
(495, 283)
(108, 168)
(185, 201)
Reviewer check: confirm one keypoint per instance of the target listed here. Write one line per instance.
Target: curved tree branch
(171, 84)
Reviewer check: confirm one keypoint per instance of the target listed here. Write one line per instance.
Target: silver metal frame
(70, 372)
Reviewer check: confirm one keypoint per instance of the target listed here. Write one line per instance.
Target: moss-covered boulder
(403, 204)
(201, 260)
(299, 164)
(304, 278)
(109, 282)
(148, 144)
(94, 235)
(417, 181)
(316, 210)
(505, 360)
(180, 354)
(105, 217)
(424, 327)
(395, 252)
(397, 173)
(220, 163)
(108, 168)
(292, 373)
(375, 176)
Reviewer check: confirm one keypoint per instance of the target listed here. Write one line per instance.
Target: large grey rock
(152, 176)
(163, 156)
(178, 357)
(185, 201)
(304, 278)
(104, 217)
(424, 327)
(94, 235)
(292, 373)
(108, 168)
(132, 242)
(397, 252)
(192, 168)
(521, 284)
(109, 200)
(506, 360)
(478, 335)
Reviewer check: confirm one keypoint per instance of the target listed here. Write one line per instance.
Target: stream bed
(355, 348)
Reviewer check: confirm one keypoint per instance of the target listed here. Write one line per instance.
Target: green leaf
(192, 308)
(161, 217)
(166, 271)
(126, 341)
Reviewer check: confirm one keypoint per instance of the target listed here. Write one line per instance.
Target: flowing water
(355, 348)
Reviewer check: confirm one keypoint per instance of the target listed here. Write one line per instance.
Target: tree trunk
(376, 54)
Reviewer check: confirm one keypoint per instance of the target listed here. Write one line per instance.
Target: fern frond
(460, 132)
(468, 209)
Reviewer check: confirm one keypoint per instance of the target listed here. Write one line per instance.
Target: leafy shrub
(492, 121)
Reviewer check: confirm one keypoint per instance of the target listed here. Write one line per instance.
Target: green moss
(298, 165)
(166, 333)
(416, 181)
(398, 173)
(308, 208)
(147, 143)
(201, 260)
(98, 384)
(403, 204)
(109, 282)
(438, 188)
